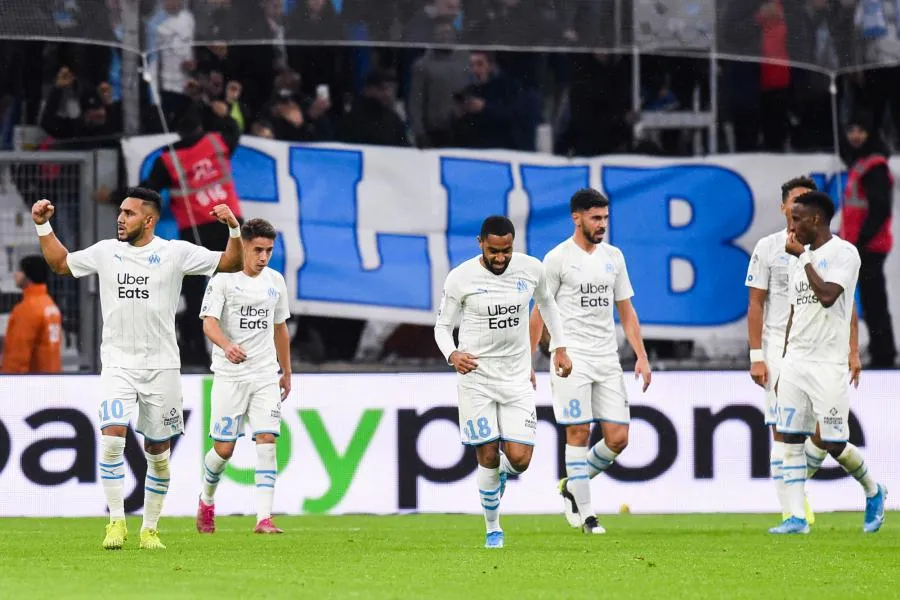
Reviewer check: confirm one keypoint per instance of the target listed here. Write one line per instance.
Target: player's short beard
(134, 235)
(490, 266)
(589, 235)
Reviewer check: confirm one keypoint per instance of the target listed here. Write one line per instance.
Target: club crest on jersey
(783, 258)
(521, 285)
(823, 264)
(273, 293)
(154, 259)
(610, 268)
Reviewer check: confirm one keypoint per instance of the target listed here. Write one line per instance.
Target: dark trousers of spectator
(873, 297)
(439, 138)
(173, 105)
(773, 109)
(192, 343)
(814, 131)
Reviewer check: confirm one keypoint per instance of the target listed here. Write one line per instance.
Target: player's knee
(520, 463)
(834, 448)
(224, 449)
(488, 455)
(156, 447)
(115, 431)
(265, 438)
(578, 435)
(617, 443)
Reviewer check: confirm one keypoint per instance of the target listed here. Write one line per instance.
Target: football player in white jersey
(245, 317)
(488, 296)
(812, 385)
(767, 316)
(140, 283)
(588, 278)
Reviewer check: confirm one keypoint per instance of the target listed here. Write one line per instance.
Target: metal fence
(68, 180)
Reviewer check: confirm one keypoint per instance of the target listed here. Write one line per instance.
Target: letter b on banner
(717, 207)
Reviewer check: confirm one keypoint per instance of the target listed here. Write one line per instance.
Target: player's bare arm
(283, 350)
(232, 259)
(213, 331)
(759, 372)
(53, 250)
(632, 327)
(535, 329)
(854, 361)
(826, 291)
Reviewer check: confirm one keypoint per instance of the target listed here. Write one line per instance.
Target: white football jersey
(248, 308)
(820, 334)
(139, 291)
(492, 311)
(586, 287)
(769, 270)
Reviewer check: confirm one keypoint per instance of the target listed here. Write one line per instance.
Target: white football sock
(794, 473)
(600, 458)
(851, 459)
(815, 456)
(579, 484)
(213, 467)
(112, 474)
(488, 481)
(266, 470)
(506, 466)
(156, 485)
(776, 463)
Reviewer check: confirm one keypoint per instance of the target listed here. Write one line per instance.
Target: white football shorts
(810, 393)
(235, 403)
(593, 391)
(155, 393)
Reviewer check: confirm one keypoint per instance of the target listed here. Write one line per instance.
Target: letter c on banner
(721, 206)
(327, 183)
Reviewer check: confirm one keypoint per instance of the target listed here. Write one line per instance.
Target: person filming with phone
(295, 118)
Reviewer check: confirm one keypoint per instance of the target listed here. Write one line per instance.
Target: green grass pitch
(441, 556)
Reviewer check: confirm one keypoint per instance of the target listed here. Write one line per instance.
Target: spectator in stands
(174, 65)
(97, 123)
(263, 21)
(435, 78)
(373, 118)
(599, 102)
(314, 20)
(866, 222)
(204, 160)
(421, 27)
(294, 116)
(34, 332)
(487, 111)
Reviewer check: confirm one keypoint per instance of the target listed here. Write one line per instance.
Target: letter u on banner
(327, 183)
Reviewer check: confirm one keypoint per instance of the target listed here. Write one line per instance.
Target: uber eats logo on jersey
(131, 286)
(594, 295)
(254, 318)
(805, 294)
(503, 317)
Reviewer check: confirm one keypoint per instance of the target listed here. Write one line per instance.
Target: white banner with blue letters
(371, 233)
